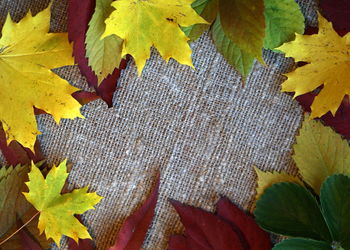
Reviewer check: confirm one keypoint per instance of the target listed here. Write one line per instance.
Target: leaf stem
(19, 229)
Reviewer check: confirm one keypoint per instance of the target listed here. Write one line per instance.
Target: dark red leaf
(206, 229)
(79, 15)
(15, 153)
(340, 122)
(83, 244)
(244, 225)
(337, 12)
(27, 242)
(134, 230)
(84, 97)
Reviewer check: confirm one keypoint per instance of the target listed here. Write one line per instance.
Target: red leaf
(15, 153)
(252, 233)
(83, 244)
(337, 12)
(134, 229)
(340, 122)
(206, 229)
(27, 242)
(84, 97)
(79, 15)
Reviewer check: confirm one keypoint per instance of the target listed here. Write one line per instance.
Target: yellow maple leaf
(143, 24)
(327, 55)
(27, 55)
(57, 210)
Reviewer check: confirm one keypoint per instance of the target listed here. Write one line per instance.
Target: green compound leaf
(239, 59)
(283, 19)
(335, 203)
(301, 244)
(291, 210)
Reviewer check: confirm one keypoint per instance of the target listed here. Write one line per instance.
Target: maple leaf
(337, 12)
(104, 55)
(57, 211)
(79, 15)
(27, 55)
(134, 229)
(143, 24)
(230, 228)
(328, 64)
(244, 24)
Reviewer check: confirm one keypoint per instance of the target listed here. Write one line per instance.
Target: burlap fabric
(201, 129)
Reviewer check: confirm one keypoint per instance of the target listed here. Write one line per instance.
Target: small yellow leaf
(327, 55)
(319, 152)
(57, 210)
(143, 24)
(267, 179)
(27, 55)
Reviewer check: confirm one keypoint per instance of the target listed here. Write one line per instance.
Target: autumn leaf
(104, 55)
(27, 55)
(328, 64)
(283, 19)
(238, 58)
(244, 24)
(337, 12)
(267, 179)
(79, 15)
(143, 24)
(134, 229)
(340, 122)
(230, 228)
(208, 9)
(57, 211)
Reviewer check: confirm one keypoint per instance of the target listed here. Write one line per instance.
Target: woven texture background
(201, 129)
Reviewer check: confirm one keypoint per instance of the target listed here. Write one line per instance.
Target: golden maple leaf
(328, 58)
(27, 55)
(57, 210)
(143, 24)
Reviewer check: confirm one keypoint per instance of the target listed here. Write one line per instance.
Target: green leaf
(319, 152)
(289, 209)
(244, 23)
(283, 19)
(302, 244)
(239, 59)
(104, 55)
(335, 205)
(208, 9)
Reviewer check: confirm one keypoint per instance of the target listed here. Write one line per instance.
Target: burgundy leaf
(27, 242)
(83, 244)
(15, 153)
(79, 15)
(206, 229)
(340, 122)
(134, 229)
(337, 12)
(84, 97)
(244, 225)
